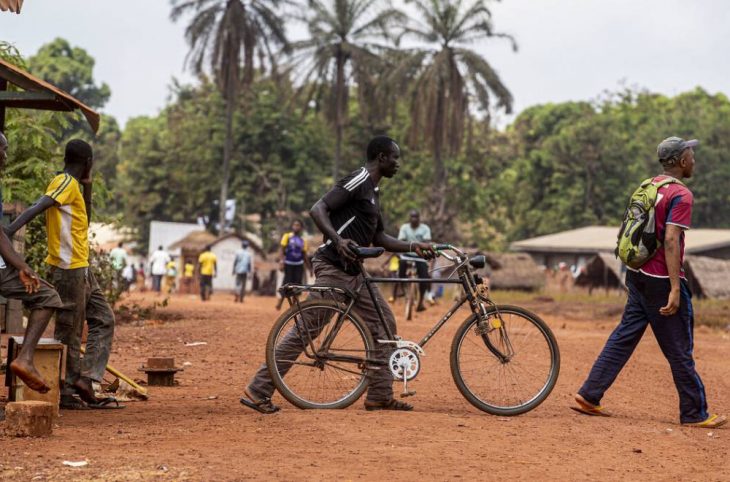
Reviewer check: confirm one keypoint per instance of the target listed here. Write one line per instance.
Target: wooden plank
(6, 95)
(3, 87)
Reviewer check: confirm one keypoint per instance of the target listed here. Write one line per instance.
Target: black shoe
(391, 404)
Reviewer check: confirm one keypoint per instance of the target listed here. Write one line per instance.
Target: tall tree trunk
(339, 114)
(227, 153)
(441, 221)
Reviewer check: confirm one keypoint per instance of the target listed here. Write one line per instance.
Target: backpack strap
(669, 180)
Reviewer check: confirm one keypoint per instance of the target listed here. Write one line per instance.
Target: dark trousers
(157, 282)
(293, 273)
(241, 286)
(380, 387)
(81, 293)
(673, 333)
(206, 286)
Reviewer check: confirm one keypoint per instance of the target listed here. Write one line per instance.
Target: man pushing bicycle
(349, 216)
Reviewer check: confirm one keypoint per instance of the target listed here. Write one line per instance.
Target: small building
(225, 247)
(708, 277)
(577, 247)
(604, 270)
(163, 233)
(514, 271)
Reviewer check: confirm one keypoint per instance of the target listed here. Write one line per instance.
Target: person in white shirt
(158, 267)
(417, 232)
(242, 267)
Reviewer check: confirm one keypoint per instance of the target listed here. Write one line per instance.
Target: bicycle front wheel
(506, 387)
(316, 355)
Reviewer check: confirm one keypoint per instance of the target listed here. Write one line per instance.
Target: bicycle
(504, 359)
(411, 290)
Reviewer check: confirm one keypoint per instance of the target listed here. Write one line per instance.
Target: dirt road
(199, 431)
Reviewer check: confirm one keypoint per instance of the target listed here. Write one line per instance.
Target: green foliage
(170, 163)
(70, 69)
(106, 275)
(576, 164)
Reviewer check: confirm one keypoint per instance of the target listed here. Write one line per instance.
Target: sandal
(713, 421)
(391, 404)
(69, 402)
(587, 408)
(261, 405)
(108, 403)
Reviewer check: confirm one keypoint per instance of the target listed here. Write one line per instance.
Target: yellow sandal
(587, 408)
(713, 421)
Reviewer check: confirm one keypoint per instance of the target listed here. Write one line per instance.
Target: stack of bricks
(28, 419)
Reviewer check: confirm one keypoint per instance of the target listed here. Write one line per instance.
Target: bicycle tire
(290, 393)
(468, 326)
(410, 301)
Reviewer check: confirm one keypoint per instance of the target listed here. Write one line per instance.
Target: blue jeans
(673, 333)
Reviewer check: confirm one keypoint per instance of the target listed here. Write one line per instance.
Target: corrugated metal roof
(594, 239)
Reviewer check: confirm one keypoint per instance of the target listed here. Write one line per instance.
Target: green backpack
(637, 241)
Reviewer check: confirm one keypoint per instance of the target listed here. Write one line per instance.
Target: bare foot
(85, 390)
(30, 376)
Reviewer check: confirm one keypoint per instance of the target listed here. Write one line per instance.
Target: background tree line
(270, 122)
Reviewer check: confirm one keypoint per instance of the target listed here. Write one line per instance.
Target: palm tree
(227, 36)
(344, 46)
(447, 76)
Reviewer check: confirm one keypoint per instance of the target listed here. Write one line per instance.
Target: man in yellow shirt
(208, 267)
(67, 204)
(187, 280)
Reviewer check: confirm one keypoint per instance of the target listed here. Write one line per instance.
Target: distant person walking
(417, 232)
(170, 276)
(158, 267)
(294, 257)
(188, 276)
(242, 268)
(118, 257)
(208, 268)
(141, 279)
(659, 296)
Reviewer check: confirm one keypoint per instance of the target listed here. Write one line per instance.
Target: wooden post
(3, 86)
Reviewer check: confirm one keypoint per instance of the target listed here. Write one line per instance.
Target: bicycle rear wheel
(411, 294)
(517, 385)
(304, 373)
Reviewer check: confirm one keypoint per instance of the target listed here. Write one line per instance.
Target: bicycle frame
(466, 278)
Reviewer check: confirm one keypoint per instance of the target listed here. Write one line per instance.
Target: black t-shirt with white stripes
(354, 206)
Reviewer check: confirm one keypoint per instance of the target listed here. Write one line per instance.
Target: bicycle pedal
(409, 393)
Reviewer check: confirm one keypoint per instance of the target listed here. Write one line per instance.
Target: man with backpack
(651, 244)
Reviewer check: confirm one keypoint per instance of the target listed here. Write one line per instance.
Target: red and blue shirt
(673, 206)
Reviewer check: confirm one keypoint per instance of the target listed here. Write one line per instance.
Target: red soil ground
(199, 431)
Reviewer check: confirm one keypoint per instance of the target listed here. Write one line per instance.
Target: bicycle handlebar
(440, 248)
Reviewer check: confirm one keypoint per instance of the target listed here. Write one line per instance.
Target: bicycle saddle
(373, 252)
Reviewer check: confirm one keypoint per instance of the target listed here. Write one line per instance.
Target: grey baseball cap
(672, 147)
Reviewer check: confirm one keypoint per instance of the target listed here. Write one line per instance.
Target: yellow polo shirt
(207, 262)
(67, 225)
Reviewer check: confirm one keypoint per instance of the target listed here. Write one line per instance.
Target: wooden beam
(22, 96)
(3, 88)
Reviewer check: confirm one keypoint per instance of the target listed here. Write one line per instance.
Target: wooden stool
(50, 360)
